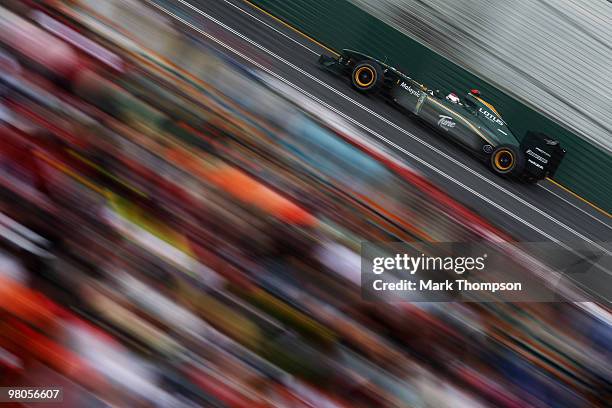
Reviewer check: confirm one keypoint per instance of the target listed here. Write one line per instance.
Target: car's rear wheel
(367, 76)
(507, 160)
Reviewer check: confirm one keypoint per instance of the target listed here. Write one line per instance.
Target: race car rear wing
(543, 155)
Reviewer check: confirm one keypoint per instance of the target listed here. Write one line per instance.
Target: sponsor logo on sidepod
(410, 90)
(446, 122)
(491, 116)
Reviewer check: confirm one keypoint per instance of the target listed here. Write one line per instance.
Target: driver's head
(452, 97)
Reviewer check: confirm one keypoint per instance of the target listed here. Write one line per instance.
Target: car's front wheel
(367, 76)
(507, 160)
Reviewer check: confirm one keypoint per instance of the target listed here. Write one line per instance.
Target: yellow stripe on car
(488, 105)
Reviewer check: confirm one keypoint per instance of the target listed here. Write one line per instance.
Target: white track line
(395, 126)
(270, 26)
(576, 207)
(401, 149)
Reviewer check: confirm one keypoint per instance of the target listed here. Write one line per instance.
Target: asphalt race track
(533, 213)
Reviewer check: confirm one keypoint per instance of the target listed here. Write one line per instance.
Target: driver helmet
(452, 97)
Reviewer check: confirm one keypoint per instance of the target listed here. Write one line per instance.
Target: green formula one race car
(470, 121)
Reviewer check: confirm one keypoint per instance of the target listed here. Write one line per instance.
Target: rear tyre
(507, 160)
(367, 76)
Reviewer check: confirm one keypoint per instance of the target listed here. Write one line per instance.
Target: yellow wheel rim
(504, 159)
(365, 76)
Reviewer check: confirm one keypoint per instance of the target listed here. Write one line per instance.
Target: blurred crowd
(175, 232)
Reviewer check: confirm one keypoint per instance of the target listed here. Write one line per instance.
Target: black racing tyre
(367, 76)
(507, 160)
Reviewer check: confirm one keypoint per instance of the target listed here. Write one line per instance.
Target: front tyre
(507, 160)
(367, 76)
